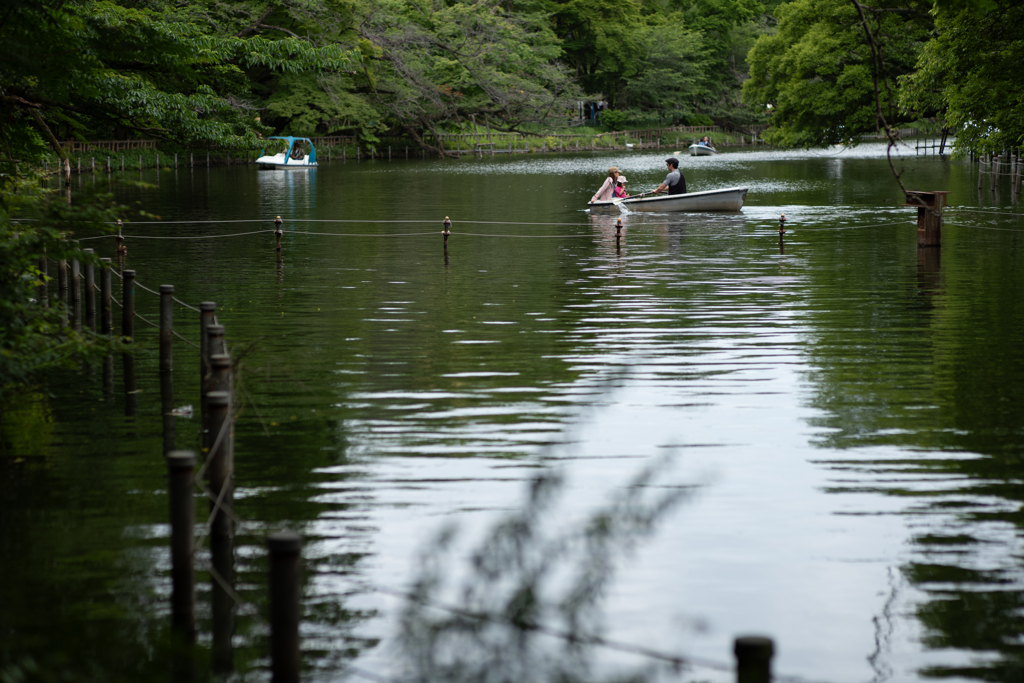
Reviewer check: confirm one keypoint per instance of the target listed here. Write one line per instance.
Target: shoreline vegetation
(126, 155)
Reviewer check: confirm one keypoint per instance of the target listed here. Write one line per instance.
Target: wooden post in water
(214, 346)
(220, 469)
(285, 658)
(207, 317)
(278, 232)
(219, 460)
(180, 466)
(128, 305)
(753, 659)
(62, 276)
(76, 281)
(106, 313)
(44, 290)
(929, 216)
(167, 365)
(90, 290)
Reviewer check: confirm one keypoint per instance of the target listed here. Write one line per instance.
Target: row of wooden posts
(1009, 163)
(478, 149)
(753, 654)
(216, 400)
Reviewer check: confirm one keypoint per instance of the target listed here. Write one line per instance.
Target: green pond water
(845, 410)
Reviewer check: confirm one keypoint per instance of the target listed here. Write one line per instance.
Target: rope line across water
(981, 227)
(174, 298)
(600, 641)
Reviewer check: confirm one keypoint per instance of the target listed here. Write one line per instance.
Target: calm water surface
(848, 411)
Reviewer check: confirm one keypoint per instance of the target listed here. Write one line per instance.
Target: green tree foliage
(817, 70)
(602, 41)
(308, 104)
(726, 27)
(971, 71)
(432, 66)
(673, 69)
(33, 336)
(93, 66)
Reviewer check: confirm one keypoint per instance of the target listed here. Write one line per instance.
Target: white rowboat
(727, 199)
(702, 151)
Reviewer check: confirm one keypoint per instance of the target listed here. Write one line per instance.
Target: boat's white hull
(702, 151)
(728, 199)
(278, 161)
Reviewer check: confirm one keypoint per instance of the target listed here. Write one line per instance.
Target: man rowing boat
(675, 183)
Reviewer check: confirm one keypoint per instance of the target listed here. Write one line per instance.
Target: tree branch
(877, 70)
(38, 118)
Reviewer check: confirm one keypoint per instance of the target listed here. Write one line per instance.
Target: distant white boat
(294, 157)
(727, 199)
(702, 151)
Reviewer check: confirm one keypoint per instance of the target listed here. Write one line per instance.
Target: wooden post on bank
(106, 312)
(929, 216)
(180, 466)
(128, 305)
(753, 659)
(285, 658)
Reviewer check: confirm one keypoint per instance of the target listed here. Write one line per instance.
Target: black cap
(673, 161)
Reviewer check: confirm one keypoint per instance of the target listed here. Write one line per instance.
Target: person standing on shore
(608, 189)
(675, 182)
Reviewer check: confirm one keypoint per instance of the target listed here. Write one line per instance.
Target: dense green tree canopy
(94, 66)
(971, 72)
(817, 72)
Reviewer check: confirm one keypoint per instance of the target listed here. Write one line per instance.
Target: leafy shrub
(613, 119)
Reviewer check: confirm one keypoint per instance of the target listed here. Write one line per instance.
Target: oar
(619, 200)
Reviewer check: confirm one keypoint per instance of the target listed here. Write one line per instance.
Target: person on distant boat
(675, 182)
(298, 153)
(706, 142)
(620, 188)
(607, 190)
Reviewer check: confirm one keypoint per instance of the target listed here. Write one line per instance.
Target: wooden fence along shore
(139, 154)
(79, 285)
